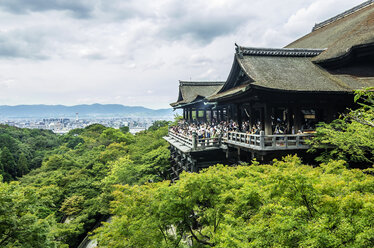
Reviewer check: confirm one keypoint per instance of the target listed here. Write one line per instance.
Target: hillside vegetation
(62, 187)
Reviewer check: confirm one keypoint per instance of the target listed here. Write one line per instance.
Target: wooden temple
(311, 80)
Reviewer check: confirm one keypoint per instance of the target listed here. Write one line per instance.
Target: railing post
(220, 139)
(262, 139)
(286, 141)
(274, 144)
(194, 140)
(297, 140)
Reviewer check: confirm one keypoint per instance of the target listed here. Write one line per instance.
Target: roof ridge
(342, 15)
(200, 83)
(291, 52)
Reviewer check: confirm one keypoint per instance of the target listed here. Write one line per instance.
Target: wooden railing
(194, 142)
(269, 142)
(253, 141)
(183, 139)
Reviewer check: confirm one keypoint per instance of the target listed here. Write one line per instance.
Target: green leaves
(21, 218)
(350, 138)
(286, 204)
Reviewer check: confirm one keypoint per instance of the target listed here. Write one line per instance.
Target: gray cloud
(78, 8)
(130, 47)
(202, 30)
(22, 45)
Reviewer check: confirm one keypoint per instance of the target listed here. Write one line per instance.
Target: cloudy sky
(133, 52)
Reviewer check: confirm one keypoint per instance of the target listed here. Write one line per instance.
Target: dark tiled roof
(342, 15)
(190, 91)
(294, 74)
(341, 33)
(233, 91)
(200, 83)
(289, 52)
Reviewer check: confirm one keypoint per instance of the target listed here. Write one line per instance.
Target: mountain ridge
(84, 110)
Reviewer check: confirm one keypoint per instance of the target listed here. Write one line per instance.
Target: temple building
(282, 93)
(192, 99)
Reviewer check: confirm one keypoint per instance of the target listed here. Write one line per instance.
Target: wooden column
(239, 115)
(251, 116)
(184, 113)
(204, 116)
(289, 116)
(297, 119)
(267, 119)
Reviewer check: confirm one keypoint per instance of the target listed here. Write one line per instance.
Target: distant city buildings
(64, 125)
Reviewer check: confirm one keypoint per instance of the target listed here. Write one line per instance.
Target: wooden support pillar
(239, 115)
(262, 118)
(297, 119)
(289, 122)
(194, 141)
(262, 140)
(189, 114)
(197, 114)
(267, 120)
(204, 115)
(184, 113)
(251, 116)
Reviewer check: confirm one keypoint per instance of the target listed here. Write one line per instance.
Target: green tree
(158, 124)
(7, 160)
(22, 165)
(124, 129)
(286, 204)
(20, 222)
(351, 137)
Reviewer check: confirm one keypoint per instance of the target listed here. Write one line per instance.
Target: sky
(133, 52)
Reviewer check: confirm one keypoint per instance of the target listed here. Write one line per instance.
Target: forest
(55, 190)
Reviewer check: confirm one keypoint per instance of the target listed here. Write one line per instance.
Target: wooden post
(239, 115)
(262, 139)
(297, 121)
(194, 141)
(297, 140)
(267, 120)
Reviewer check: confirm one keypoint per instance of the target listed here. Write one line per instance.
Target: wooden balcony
(262, 142)
(192, 143)
(257, 142)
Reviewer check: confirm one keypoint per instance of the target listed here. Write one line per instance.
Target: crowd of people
(221, 129)
(214, 129)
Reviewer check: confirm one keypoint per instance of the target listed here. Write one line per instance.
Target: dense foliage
(70, 192)
(68, 184)
(350, 137)
(22, 150)
(286, 204)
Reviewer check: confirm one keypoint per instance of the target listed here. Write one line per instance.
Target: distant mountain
(85, 111)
